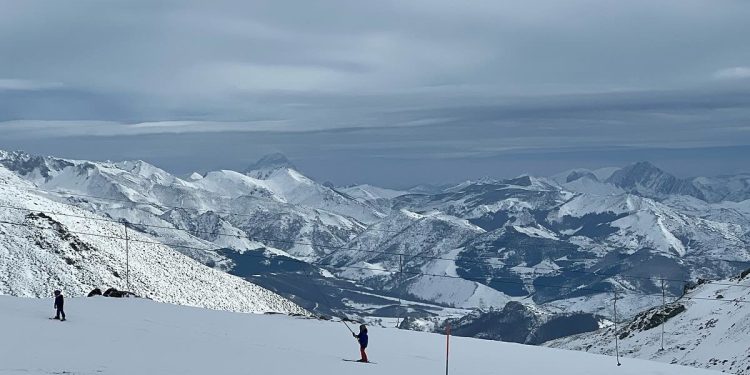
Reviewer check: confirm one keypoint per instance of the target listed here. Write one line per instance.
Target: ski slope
(132, 336)
(710, 329)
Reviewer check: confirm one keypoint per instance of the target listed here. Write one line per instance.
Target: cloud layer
(426, 81)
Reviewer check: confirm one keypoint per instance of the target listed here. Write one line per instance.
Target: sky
(394, 93)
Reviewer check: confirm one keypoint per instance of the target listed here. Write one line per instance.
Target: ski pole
(347, 326)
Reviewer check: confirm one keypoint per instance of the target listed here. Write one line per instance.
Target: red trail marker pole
(447, 345)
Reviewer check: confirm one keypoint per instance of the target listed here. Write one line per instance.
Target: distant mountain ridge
(645, 179)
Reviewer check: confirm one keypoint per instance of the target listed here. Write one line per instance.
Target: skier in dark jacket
(59, 303)
(363, 339)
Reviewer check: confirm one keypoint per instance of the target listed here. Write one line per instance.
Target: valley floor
(131, 336)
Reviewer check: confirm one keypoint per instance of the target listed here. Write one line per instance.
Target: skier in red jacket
(363, 340)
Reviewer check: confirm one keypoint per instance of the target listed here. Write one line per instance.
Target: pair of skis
(358, 361)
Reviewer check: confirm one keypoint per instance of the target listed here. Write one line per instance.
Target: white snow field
(133, 336)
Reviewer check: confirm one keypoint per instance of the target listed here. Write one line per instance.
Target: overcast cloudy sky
(388, 92)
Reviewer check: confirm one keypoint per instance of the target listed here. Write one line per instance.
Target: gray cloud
(193, 50)
(737, 72)
(25, 85)
(421, 82)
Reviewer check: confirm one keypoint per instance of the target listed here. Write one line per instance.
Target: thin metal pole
(127, 259)
(400, 281)
(617, 347)
(663, 311)
(447, 346)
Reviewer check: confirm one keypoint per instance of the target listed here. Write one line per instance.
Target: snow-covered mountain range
(559, 244)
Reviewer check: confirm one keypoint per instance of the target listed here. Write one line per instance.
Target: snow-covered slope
(725, 212)
(126, 337)
(642, 222)
(70, 249)
(423, 239)
(279, 175)
(709, 327)
(367, 192)
(298, 189)
(481, 199)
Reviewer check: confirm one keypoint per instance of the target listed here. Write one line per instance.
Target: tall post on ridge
(127, 258)
(400, 280)
(617, 348)
(663, 311)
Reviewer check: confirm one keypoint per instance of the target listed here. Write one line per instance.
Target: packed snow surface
(131, 336)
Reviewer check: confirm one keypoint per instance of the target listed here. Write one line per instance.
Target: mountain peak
(271, 161)
(579, 174)
(195, 176)
(644, 166)
(638, 172)
(648, 180)
(26, 164)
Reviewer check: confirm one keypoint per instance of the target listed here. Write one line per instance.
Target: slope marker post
(447, 345)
